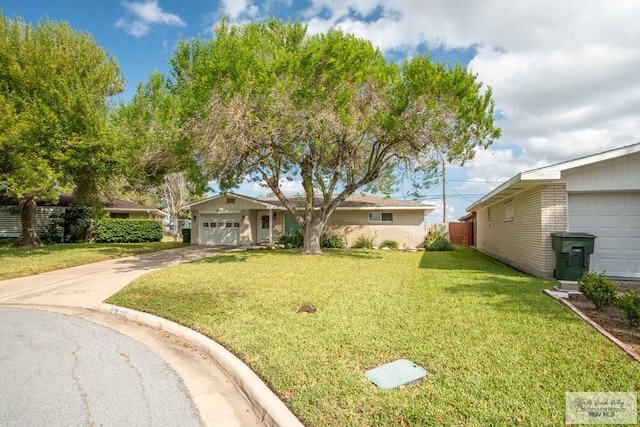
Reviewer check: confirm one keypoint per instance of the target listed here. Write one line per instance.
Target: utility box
(573, 251)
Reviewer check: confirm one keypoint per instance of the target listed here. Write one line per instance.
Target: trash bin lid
(573, 234)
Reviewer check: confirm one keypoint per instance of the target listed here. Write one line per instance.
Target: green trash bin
(186, 235)
(573, 251)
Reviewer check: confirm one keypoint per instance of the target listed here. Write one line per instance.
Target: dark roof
(125, 204)
(355, 201)
(67, 200)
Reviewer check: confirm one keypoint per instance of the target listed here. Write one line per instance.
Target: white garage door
(615, 219)
(220, 229)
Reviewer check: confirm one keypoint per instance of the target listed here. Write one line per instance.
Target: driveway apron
(65, 363)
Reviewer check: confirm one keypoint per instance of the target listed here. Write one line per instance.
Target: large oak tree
(54, 87)
(269, 102)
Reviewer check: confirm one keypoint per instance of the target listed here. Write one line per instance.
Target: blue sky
(564, 74)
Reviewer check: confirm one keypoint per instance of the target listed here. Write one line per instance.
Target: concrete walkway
(225, 391)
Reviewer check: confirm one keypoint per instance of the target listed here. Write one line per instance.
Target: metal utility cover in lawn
(396, 374)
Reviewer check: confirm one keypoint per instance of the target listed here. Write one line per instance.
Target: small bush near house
(598, 289)
(128, 231)
(440, 244)
(391, 244)
(629, 303)
(436, 240)
(292, 240)
(364, 242)
(295, 240)
(332, 242)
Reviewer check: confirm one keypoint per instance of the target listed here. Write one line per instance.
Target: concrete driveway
(71, 362)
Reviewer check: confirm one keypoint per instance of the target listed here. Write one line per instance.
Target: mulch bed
(611, 319)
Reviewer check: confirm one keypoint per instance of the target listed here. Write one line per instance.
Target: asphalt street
(59, 370)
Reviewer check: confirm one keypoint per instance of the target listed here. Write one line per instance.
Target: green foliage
(598, 289)
(440, 243)
(128, 231)
(364, 242)
(268, 101)
(292, 240)
(54, 132)
(332, 242)
(445, 311)
(77, 224)
(391, 244)
(295, 240)
(436, 240)
(629, 303)
(51, 234)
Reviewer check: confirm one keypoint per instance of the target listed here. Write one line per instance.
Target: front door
(265, 225)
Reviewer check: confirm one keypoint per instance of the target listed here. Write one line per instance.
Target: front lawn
(18, 262)
(498, 352)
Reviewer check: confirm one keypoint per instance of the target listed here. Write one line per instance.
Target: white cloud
(565, 75)
(144, 15)
(239, 10)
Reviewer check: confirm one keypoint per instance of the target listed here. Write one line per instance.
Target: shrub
(436, 240)
(294, 239)
(391, 244)
(334, 242)
(598, 289)
(440, 243)
(128, 231)
(629, 303)
(364, 242)
(77, 223)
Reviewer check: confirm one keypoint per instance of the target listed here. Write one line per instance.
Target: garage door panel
(608, 201)
(615, 219)
(609, 222)
(581, 221)
(610, 264)
(220, 230)
(608, 244)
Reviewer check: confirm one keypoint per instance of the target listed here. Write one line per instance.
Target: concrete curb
(635, 356)
(269, 408)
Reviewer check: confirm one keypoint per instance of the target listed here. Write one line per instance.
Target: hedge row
(128, 231)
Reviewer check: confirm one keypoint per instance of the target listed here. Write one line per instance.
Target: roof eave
(246, 198)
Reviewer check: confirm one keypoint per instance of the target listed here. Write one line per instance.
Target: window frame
(380, 217)
(508, 210)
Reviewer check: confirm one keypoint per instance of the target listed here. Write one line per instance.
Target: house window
(228, 225)
(120, 215)
(380, 217)
(213, 224)
(508, 210)
(290, 224)
(236, 225)
(206, 224)
(231, 201)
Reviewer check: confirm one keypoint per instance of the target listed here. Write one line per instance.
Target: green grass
(498, 351)
(19, 262)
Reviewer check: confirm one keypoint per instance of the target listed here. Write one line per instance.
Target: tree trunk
(312, 234)
(28, 235)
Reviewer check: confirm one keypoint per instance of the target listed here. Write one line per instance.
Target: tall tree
(149, 126)
(268, 102)
(54, 87)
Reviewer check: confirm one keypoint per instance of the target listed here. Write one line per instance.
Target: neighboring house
(10, 214)
(233, 219)
(598, 194)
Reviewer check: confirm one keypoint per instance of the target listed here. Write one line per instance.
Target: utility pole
(444, 192)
